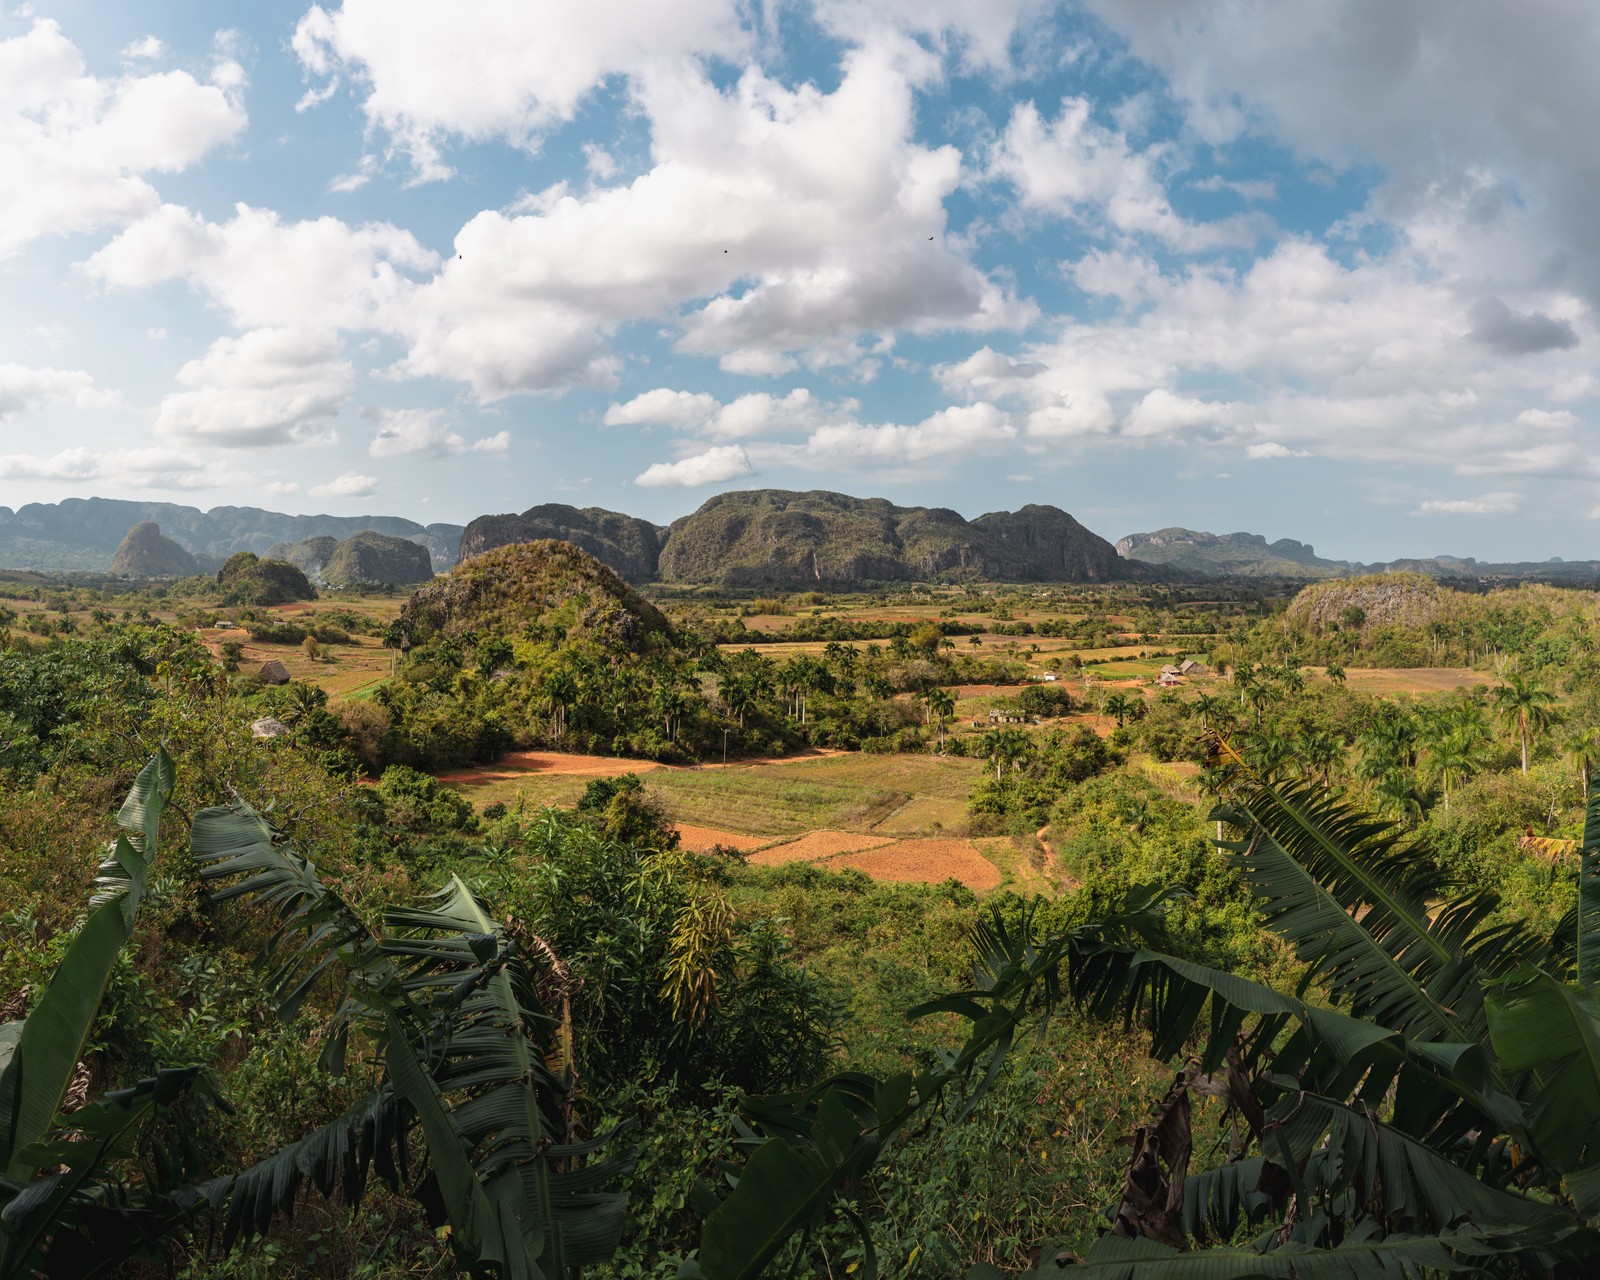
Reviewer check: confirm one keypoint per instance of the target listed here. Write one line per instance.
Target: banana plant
(1427, 1102)
(447, 998)
(57, 1195)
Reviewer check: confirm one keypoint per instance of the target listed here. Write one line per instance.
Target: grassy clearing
(894, 795)
(1416, 680)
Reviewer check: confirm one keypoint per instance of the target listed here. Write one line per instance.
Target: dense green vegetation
(403, 1013)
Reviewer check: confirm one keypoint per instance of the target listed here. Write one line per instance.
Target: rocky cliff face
(627, 544)
(309, 555)
(775, 537)
(372, 558)
(1045, 544)
(146, 553)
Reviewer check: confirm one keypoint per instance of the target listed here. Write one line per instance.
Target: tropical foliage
(1434, 1115)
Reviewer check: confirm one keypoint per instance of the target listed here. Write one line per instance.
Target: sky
(1319, 270)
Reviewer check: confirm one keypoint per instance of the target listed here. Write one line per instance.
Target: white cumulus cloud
(265, 387)
(419, 431)
(713, 466)
(350, 484)
(74, 147)
(1489, 504)
(23, 389)
(505, 69)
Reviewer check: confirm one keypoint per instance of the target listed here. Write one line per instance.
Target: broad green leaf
(1545, 1027)
(39, 1072)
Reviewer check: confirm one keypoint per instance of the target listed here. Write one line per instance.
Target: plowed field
(817, 846)
(699, 839)
(925, 861)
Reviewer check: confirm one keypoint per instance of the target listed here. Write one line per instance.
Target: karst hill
(542, 590)
(145, 552)
(777, 537)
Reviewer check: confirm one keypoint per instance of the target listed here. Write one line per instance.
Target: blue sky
(1316, 271)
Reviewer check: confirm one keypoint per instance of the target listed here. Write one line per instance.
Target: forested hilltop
(775, 537)
(534, 921)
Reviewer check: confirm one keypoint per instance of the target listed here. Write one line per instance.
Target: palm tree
(1527, 707)
(942, 704)
(1120, 705)
(560, 689)
(1335, 673)
(1455, 755)
(1584, 751)
(1006, 747)
(1318, 751)
(1207, 705)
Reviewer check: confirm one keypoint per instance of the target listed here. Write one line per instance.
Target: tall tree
(1526, 707)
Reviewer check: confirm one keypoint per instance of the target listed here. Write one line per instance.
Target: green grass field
(894, 795)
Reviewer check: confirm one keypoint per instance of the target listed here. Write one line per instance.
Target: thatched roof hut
(273, 672)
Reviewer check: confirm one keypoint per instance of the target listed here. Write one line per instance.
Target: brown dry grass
(926, 862)
(817, 846)
(546, 764)
(1419, 680)
(699, 839)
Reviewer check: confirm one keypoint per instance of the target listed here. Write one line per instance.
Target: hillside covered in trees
(1300, 928)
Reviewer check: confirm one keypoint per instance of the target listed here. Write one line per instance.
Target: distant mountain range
(745, 538)
(1252, 556)
(82, 534)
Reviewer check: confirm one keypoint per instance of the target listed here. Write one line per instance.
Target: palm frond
(1588, 922)
(1393, 938)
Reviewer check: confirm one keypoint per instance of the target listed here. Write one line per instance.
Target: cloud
(74, 147)
(684, 410)
(1548, 420)
(148, 47)
(265, 387)
(147, 468)
(418, 431)
(1468, 108)
(774, 223)
(714, 466)
(23, 390)
(350, 484)
(264, 271)
(980, 35)
(1075, 168)
(1161, 413)
(1496, 325)
(1360, 360)
(1252, 190)
(496, 69)
(1272, 449)
(961, 429)
(1489, 504)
